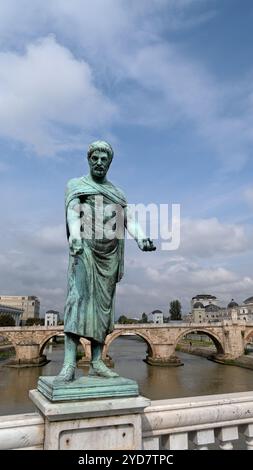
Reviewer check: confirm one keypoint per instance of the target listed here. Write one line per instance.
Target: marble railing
(206, 422)
(24, 431)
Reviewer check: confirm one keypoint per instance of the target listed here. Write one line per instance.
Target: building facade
(205, 309)
(29, 304)
(157, 317)
(244, 311)
(51, 318)
(15, 313)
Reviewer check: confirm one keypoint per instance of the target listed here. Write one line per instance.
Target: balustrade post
(226, 435)
(202, 438)
(151, 443)
(248, 433)
(177, 441)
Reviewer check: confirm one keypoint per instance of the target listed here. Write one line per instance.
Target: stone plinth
(98, 424)
(26, 362)
(87, 387)
(172, 361)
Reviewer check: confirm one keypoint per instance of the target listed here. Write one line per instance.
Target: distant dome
(249, 300)
(156, 311)
(198, 305)
(212, 308)
(232, 304)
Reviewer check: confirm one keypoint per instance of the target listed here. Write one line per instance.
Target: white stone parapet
(197, 422)
(212, 421)
(24, 431)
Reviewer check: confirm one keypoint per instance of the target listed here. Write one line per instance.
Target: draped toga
(93, 274)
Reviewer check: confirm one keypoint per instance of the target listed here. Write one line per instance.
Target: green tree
(144, 318)
(122, 319)
(175, 310)
(6, 320)
(34, 321)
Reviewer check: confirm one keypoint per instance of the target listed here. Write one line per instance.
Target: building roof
(249, 300)
(156, 311)
(198, 305)
(204, 296)
(232, 304)
(212, 308)
(8, 309)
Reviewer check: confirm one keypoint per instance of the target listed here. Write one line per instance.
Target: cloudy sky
(169, 83)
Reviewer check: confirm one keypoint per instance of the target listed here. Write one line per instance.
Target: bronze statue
(96, 261)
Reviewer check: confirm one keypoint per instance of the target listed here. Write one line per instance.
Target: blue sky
(169, 84)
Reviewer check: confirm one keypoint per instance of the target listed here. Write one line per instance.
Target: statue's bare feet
(67, 374)
(99, 369)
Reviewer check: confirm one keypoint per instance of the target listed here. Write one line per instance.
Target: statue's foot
(99, 369)
(67, 374)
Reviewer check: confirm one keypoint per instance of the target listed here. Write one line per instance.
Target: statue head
(100, 155)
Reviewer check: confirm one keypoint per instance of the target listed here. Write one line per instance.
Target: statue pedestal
(87, 387)
(92, 424)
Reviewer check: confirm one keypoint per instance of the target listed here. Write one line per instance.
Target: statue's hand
(146, 244)
(75, 246)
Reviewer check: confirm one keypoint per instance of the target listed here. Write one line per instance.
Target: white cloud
(50, 239)
(185, 280)
(48, 98)
(166, 86)
(34, 262)
(207, 238)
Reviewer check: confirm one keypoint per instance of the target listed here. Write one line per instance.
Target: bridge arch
(116, 334)
(249, 336)
(9, 337)
(46, 339)
(214, 337)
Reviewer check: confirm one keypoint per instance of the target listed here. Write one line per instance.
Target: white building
(51, 318)
(244, 311)
(205, 309)
(28, 303)
(205, 299)
(157, 317)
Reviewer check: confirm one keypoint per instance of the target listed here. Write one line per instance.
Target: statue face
(99, 163)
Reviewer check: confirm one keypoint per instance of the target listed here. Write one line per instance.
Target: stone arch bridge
(230, 339)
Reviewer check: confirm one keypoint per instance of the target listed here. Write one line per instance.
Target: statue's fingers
(150, 245)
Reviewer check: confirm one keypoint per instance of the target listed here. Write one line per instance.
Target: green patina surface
(87, 388)
(96, 264)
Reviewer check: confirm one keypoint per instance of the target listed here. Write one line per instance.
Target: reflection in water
(198, 376)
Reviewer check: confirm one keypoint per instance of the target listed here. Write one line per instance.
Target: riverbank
(6, 351)
(204, 351)
(245, 361)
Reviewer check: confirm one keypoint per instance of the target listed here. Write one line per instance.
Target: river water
(198, 376)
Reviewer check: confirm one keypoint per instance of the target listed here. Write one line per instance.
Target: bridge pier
(86, 359)
(163, 355)
(27, 355)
